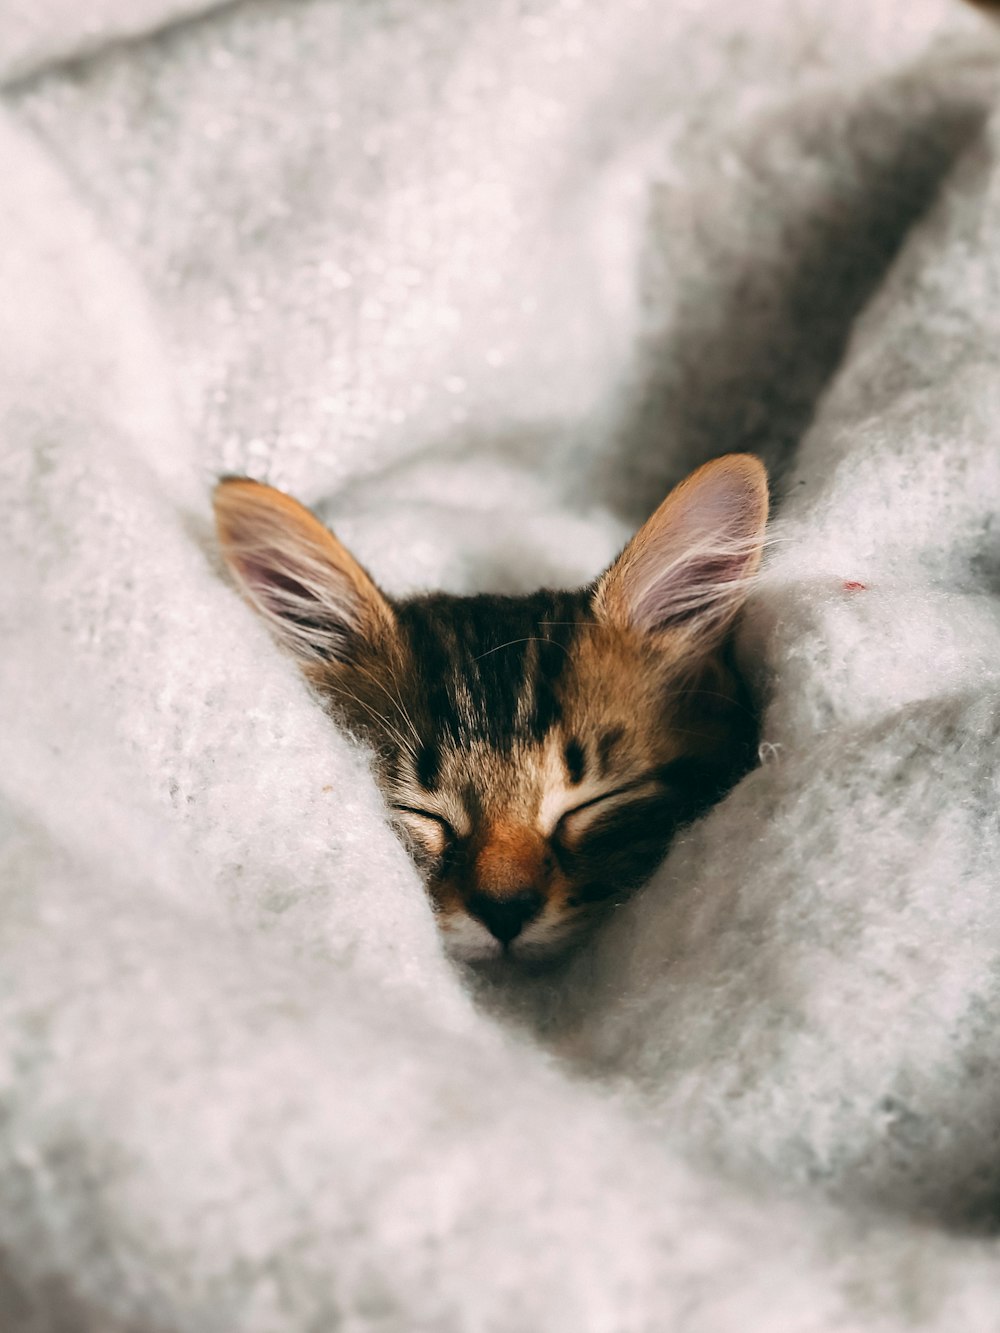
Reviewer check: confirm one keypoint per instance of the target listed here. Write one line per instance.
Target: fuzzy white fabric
(482, 280)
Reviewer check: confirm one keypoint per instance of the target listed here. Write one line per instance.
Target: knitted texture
(480, 281)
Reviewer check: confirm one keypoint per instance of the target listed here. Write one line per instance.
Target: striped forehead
(490, 668)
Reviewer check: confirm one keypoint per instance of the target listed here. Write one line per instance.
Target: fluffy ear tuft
(689, 566)
(315, 597)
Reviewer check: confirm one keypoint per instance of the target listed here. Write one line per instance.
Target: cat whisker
(540, 791)
(381, 717)
(531, 638)
(394, 697)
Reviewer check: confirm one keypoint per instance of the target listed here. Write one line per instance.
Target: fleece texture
(480, 281)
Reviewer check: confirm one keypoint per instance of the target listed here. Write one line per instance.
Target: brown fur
(537, 753)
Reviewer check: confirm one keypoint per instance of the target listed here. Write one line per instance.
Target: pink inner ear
(313, 594)
(306, 604)
(694, 587)
(287, 594)
(692, 560)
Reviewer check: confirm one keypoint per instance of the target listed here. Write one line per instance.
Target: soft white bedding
(482, 280)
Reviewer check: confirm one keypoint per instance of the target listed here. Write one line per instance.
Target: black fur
(491, 665)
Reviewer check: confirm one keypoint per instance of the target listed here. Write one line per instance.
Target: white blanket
(481, 280)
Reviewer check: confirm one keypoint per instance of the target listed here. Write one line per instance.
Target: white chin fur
(468, 940)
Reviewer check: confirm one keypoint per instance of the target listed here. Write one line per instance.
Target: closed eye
(426, 814)
(576, 820)
(638, 785)
(431, 830)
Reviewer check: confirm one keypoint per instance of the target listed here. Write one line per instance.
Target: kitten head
(537, 753)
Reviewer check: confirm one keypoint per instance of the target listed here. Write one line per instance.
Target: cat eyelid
(435, 818)
(637, 785)
(666, 776)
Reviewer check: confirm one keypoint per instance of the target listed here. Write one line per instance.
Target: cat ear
(313, 594)
(689, 566)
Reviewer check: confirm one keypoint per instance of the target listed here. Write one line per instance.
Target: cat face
(536, 753)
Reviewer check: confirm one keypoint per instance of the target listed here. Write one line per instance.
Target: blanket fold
(479, 283)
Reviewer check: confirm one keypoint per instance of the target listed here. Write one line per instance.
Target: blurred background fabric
(480, 281)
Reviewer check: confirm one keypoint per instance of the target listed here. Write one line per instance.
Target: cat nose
(506, 917)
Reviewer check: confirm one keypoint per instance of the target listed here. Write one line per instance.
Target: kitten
(537, 753)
